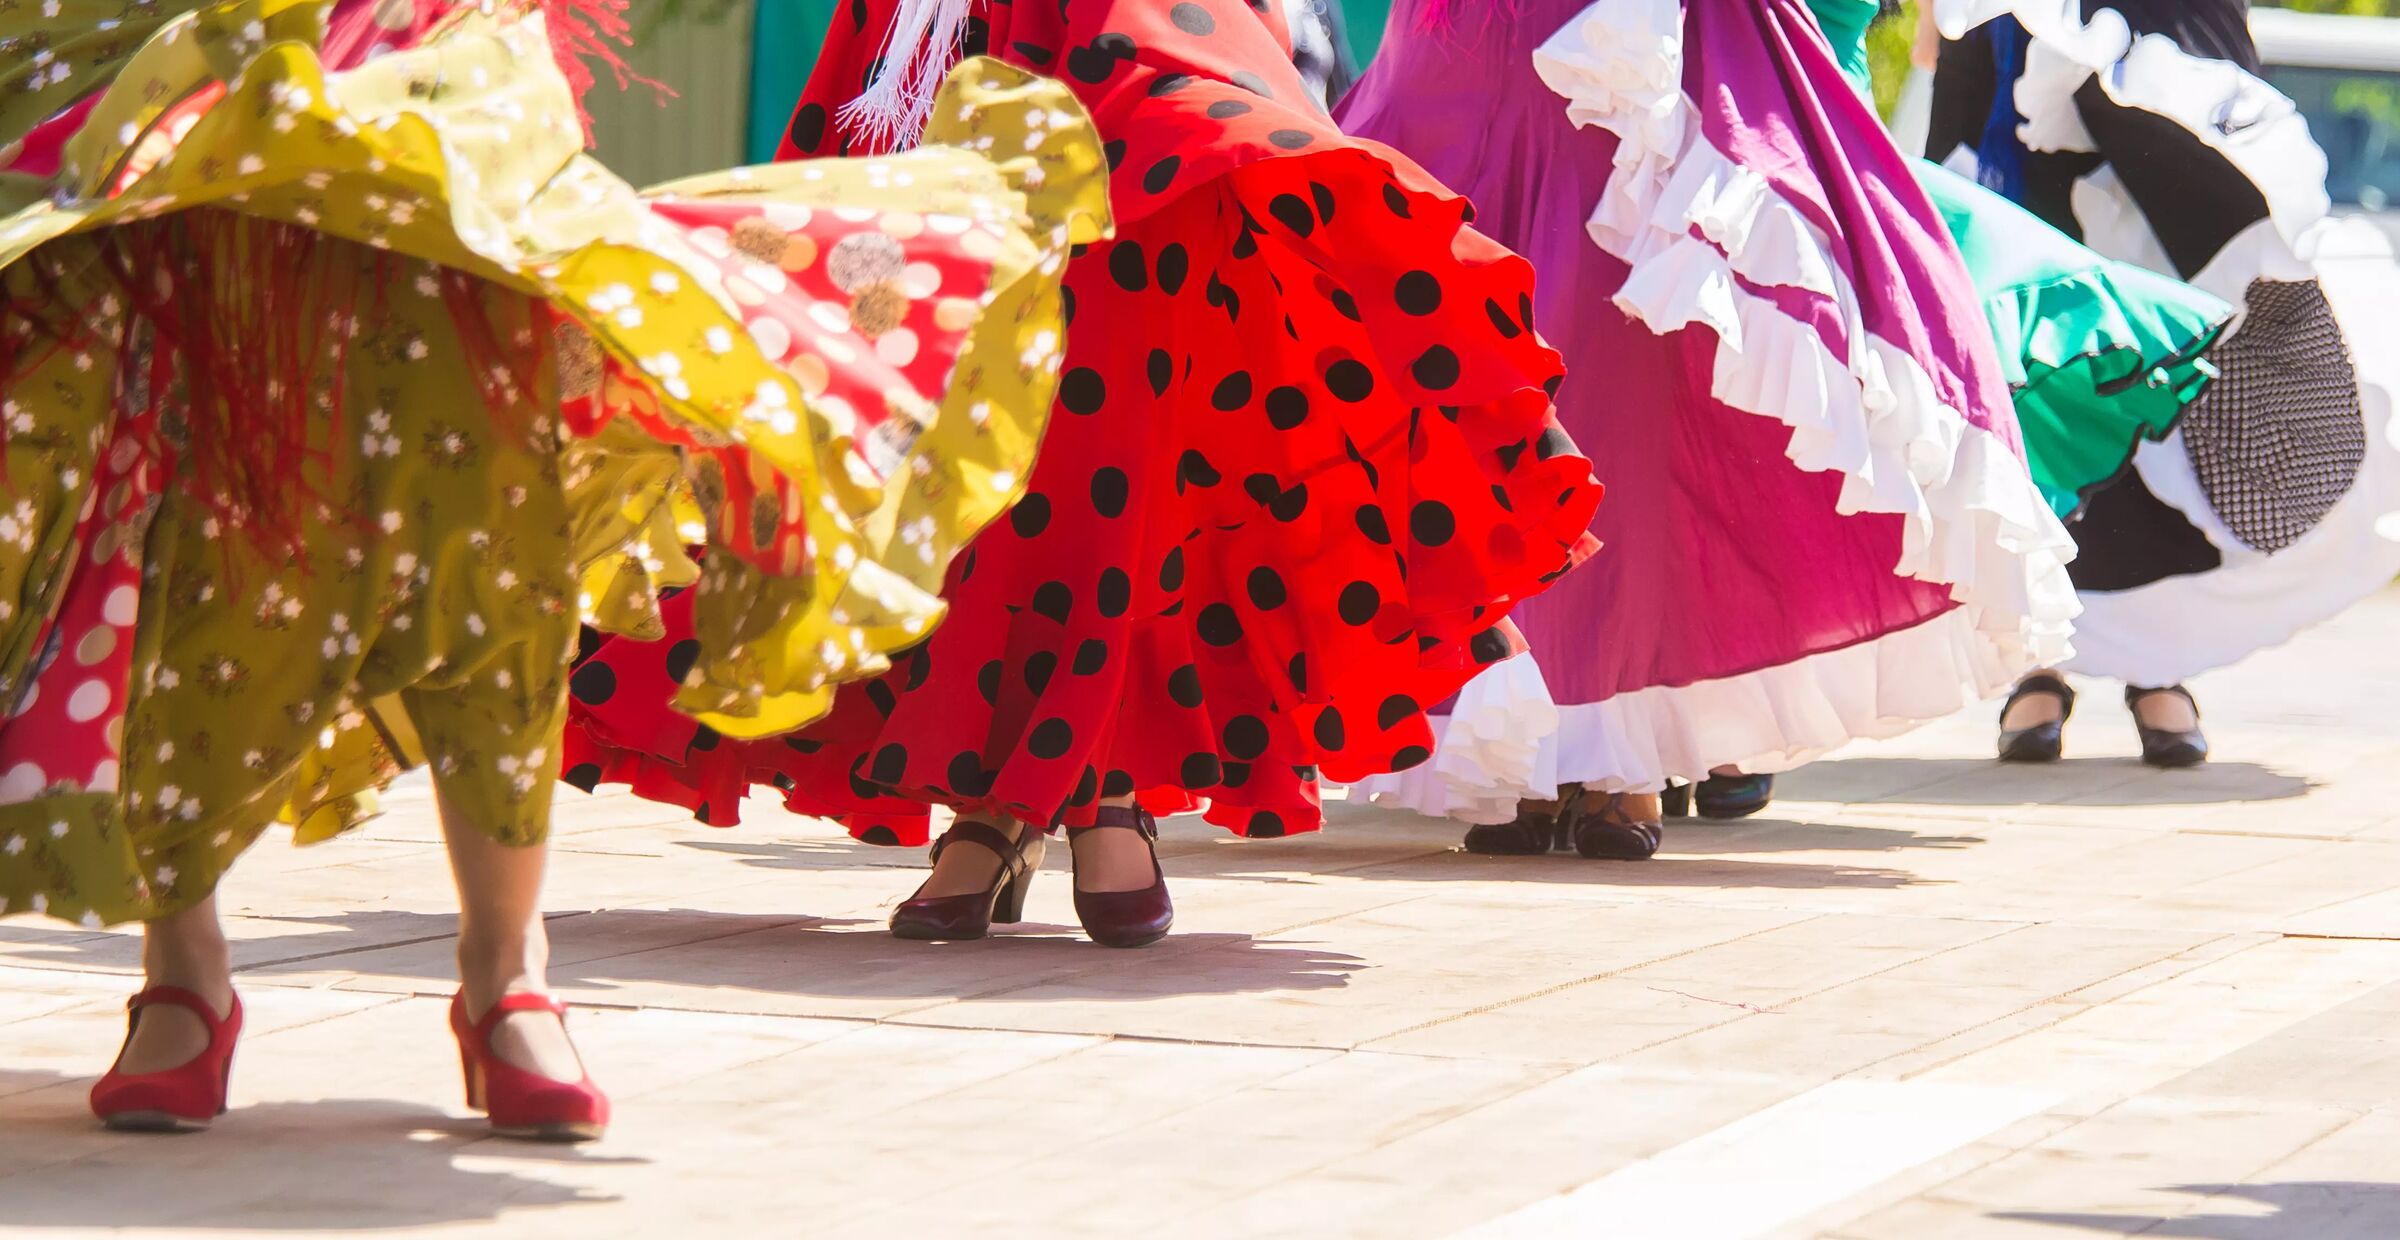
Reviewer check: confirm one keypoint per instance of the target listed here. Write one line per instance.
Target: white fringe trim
(925, 39)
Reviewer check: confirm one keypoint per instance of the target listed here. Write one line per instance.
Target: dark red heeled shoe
(1126, 918)
(179, 1099)
(972, 916)
(523, 1105)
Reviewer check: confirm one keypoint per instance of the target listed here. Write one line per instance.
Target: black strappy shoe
(1535, 832)
(2043, 742)
(1126, 918)
(1603, 831)
(2162, 748)
(971, 916)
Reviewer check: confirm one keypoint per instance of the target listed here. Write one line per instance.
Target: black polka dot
(1330, 734)
(584, 775)
(1489, 646)
(1266, 589)
(1418, 293)
(1184, 687)
(1054, 600)
(1431, 524)
(1219, 626)
(802, 744)
(1161, 370)
(1129, 267)
(1246, 737)
(1322, 194)
(979, 38)
(1040, 666)
(1287, 407)
(808, 127)
(1194, 469)
(1266, 824)
(1115, 150)
(1168, 83)
(1350, 380)
(1170, 571)
(1115, 593)
(1345, 305)
(861, 783)
(1192, 19)
(1436, 368)
(987, 681)
(1091, 656)
(680, 658)
(968, 776)
(1120, 46)
(1200, 770)
(1090, 64)
(1371, 523)
(1395, 710)
(1050, 739)
(1162, 174)
(1292, 213)
(1117, 784)
(1410, 756)
(1297, 671)
(1290, 139)
(891, 763)
(1227, 109)
(1506, 326)
(879, 695)
(1174, 266)
(1082, 390)
(1554, 442)
(880, 836)
(920, 667)
(1359, 602)
(1087, 789)
(1251, 82)
(1236, 774)
(1233, 392)
(593, 683)
(1109, 491)
(1034, 52)
(1031, 515)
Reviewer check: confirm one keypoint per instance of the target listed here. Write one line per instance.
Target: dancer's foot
(185, 950)
(959, 871)
(535, 1040)
(1113, 860)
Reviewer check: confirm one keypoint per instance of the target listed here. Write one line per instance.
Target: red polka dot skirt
(1300, 468)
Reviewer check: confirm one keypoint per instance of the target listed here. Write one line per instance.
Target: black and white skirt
(2144, 128)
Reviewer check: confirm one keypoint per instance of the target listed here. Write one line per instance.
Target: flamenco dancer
(1300, 470)
(1821, 524)
(332, 384)
(2144, 130)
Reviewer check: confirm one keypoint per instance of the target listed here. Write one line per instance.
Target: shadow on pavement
(2089, 781)
(339, 1164)
(2297, 1210)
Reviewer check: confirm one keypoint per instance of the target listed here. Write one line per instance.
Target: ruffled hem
(1512, 742)
(1973, 520)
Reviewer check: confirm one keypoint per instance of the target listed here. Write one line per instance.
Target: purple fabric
(1720, 557)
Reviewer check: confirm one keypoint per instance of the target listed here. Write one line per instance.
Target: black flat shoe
(1535, 832)
(2043, 742)
(1735, 796)
(1603, 831)
(2160, 747)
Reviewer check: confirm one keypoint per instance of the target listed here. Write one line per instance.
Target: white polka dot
(123, 605)
(897, 347)
(774, 339)
(104, 776)
(89, 702)
(921, 280)
(23, 782)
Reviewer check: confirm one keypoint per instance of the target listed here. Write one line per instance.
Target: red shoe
(179, 1099)
(525, 1105)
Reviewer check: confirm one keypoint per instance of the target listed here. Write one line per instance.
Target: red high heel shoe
(1126, 918)
(971, 916)
(179, 1099)
(525, 1105)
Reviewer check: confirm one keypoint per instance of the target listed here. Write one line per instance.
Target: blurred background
(737, 67)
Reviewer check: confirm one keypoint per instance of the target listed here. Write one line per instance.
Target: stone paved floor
(1925, 997)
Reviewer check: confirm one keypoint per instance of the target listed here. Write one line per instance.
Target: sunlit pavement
(1925, 996)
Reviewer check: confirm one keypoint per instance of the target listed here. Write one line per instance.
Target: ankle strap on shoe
(189, 1000)
(1122, 818)
(983, 834)
(2134, 696)
(513, 1003)
(2043, 683)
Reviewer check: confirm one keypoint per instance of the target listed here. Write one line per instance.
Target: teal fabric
(786, 36)
(1845, 23)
